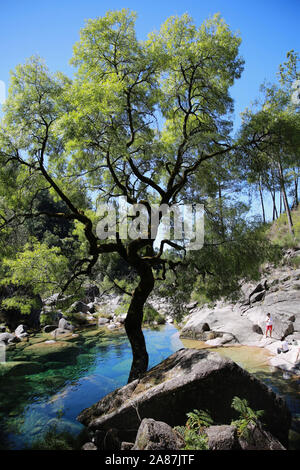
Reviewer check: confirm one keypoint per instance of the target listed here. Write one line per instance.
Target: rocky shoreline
(243, 323)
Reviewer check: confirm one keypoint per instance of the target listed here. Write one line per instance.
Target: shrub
(193, 432)
(247, 419)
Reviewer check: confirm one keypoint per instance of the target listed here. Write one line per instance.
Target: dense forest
(152, 121)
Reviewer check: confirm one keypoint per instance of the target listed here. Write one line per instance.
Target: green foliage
(194, 431)
(37, 265)
(123, 308)
(151, 315)
(193, 440)
(295, 262)
(22, 303)
(198, 419)
(218, 268)
(279, 233)
(47, 317)
(248, 417)
(67, 144)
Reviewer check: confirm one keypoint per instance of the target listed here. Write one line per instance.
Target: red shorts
(269, 327)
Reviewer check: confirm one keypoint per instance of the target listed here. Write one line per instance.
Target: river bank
(244, 322)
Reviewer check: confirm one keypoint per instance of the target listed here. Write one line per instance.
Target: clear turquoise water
(30, 405)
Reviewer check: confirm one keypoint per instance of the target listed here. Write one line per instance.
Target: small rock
(192, 305)
(222, 437)
(59, 331)
(6, 337)
(225, 338)
(20, 331)
(257, 329)
(157, 435)
(89, 446)
(121, 318)
(127, 445)
(65, 325)
(260, 439)
(91, 307)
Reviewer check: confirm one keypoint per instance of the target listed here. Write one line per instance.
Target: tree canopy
(150, 120)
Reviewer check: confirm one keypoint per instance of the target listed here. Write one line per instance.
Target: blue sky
(268, 28)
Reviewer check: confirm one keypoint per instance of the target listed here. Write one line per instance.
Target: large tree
(139, 120)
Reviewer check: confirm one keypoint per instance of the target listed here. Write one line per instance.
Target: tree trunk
(296, 190)
(285, 200)
(275, 207)
(275, 213)
(221, 211)
(133, 323)
(262, 201)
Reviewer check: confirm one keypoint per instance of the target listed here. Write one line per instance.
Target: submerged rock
(188, 379)
(17, 368)
(45, 352)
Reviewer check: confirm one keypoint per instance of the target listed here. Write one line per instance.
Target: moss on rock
(45, 352)
(17, 368)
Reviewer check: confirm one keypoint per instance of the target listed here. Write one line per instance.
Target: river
(31, 404)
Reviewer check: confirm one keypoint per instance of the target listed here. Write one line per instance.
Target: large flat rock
(221, 319)
(246, 321)
(188, 379)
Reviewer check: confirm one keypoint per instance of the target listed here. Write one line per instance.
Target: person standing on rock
(269, 325)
